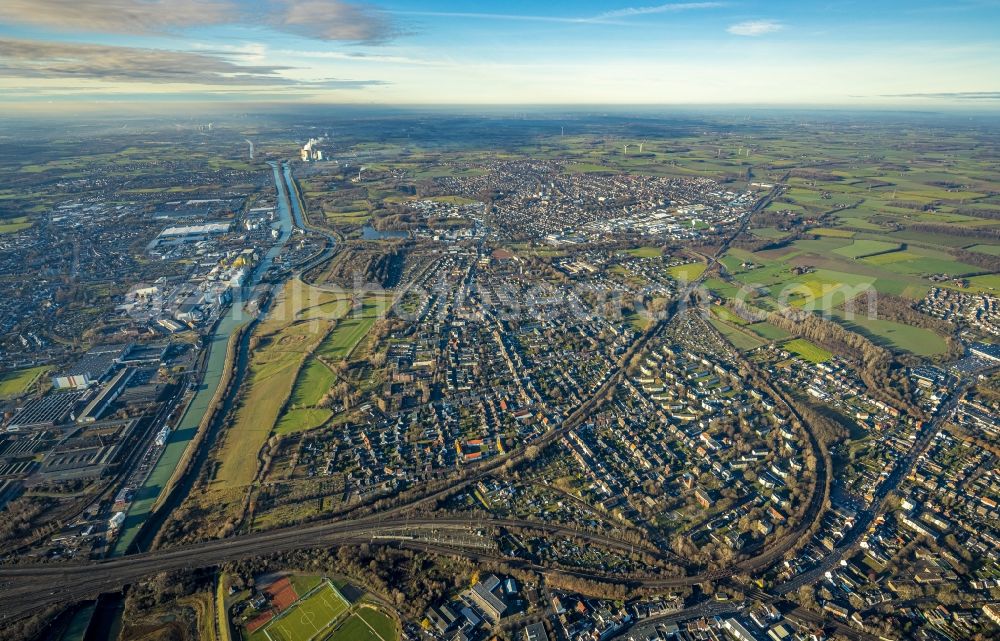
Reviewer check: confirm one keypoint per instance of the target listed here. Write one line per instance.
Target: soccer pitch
(311, 617)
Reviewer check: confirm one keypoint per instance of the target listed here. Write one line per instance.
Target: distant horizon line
(50, 108)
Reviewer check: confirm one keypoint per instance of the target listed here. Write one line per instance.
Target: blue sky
(842, 53)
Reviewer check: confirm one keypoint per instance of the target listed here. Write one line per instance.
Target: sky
(73, 53)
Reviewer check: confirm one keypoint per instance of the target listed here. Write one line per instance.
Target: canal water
(217, 345)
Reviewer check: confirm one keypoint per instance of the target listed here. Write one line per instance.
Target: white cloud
(755, 27)
(115, 16)
(340, 20)
(128, 65)
(334, 20)
(609, 17)
(662, 8)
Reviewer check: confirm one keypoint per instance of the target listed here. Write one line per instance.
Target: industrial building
(100, 403)
(482, 595)
(92, 368)
(47, 411)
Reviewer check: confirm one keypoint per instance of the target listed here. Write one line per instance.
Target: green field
(992, 250)
(981, 284)
(862, 248)
(314, 381)
(923, 265)
(15, 383)
(646, 252)
(768, 331)
(860, 223)
(741, 340)
(302, 420)
(12, 225)
(687, 272)
(310, 617)
(351, 329)
(722, 288)
(891, 257)
(916, 340)
(727, 315)
(822, 289)
(367, 624)
(284, 346)
(808, 351)
(345, 336)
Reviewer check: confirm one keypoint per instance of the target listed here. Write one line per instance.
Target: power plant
(311, 150)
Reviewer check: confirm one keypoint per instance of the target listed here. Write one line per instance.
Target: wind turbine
(641, 145)
(626, 150)
(250, 142)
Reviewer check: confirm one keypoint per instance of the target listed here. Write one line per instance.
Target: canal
(217, 344)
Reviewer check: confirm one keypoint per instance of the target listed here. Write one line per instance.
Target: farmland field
(725, 314)
(988, 283)
(992, 250)
(770, 233)
(862, 248)
(822, 289)
(280, 370)
(833, 232)
(351, 329)
(927, 266)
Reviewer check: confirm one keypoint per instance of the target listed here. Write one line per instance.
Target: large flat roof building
(482, 595)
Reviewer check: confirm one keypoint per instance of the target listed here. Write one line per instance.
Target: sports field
(367, 624)
(310, 617)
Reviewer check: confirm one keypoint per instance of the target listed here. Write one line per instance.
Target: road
(866, 516)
